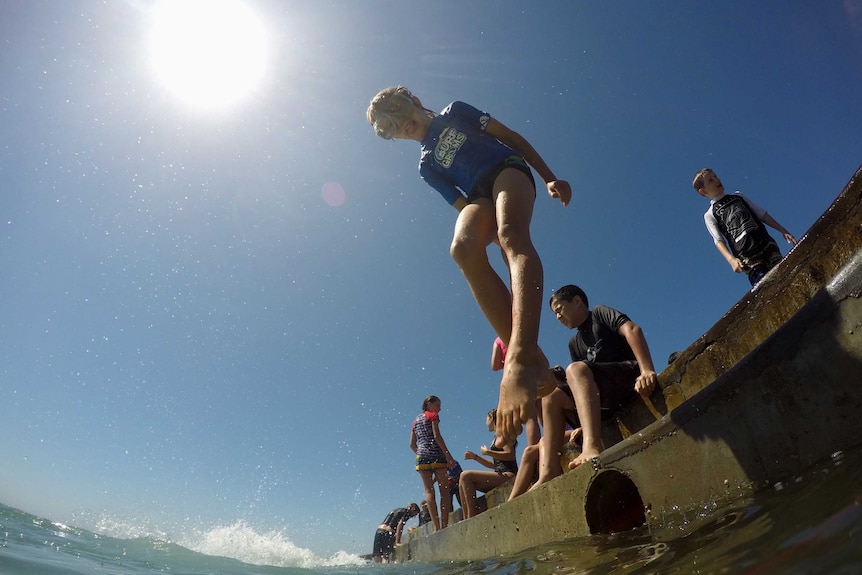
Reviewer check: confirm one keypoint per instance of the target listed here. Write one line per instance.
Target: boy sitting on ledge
(611, 362)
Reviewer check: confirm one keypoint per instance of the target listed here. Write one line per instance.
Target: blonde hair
(389, 107)
(397, 101)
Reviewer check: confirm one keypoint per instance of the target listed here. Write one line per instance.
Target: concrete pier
(773, 387)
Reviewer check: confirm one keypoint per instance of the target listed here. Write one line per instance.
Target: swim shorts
(425, 462)
(484, 188)
(384, 542)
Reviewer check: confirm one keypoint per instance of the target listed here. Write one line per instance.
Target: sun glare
(209, 53)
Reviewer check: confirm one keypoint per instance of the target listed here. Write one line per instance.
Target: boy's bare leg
(475, 229)
(587, 401)
(525, 363)
(515, 317)
(551, 445)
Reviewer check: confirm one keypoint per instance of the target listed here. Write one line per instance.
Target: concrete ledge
(769, 390)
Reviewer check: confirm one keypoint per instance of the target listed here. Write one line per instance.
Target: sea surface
(807, 524)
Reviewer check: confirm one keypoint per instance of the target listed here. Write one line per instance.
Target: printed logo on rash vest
(449, 144)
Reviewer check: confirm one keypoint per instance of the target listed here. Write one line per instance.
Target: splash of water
(240, 541)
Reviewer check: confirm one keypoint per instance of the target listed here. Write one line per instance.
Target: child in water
(482, 168)
(432, 459)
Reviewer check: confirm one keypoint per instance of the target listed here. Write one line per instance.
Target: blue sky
(194, 333)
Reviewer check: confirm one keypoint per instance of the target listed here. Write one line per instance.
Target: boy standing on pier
(736, 224)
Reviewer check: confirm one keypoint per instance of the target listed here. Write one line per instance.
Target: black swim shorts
(384, 542)
(484, 188)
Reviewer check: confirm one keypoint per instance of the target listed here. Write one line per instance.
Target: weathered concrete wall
(773, 387)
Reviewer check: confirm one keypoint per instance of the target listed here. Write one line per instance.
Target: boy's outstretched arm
(770, 221)
(634, 335)
(558, 189)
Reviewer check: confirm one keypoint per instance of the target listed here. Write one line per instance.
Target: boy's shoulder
(604, 310)
(609, 316)
(458, 106)
(463, 110)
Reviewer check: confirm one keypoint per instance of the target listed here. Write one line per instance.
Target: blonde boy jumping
(482, 168)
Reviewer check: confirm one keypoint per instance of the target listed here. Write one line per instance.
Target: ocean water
(807, 524)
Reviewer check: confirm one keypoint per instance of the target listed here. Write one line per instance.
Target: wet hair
(429, 400)
(413, 508)
(390, 104)
(673, 357)
(568, 293)
(396, 101)
(699, 177)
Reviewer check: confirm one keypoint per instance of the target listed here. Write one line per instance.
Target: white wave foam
(240, 541)
(237, 541)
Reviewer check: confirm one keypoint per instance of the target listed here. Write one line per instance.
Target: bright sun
(209, 53)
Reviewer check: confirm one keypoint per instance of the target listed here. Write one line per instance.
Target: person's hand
(560, 190)
(737, 265)
(645, 383)
(469, 455)
(790, 239)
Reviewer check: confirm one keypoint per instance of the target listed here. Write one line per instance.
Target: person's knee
(466, 250)
(554, 402)
(531, 454)
(514, 236)
(578, 373)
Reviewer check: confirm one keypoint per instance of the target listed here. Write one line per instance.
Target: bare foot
(584, 457)
(521, 376)
(547, 476)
